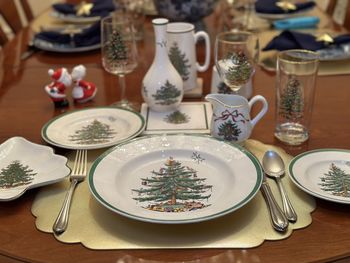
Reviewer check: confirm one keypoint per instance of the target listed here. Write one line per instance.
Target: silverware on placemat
(278, 219)
(273, 166)
(78, 174)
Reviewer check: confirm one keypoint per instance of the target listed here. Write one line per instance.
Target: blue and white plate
(62, 48)
(74, 19)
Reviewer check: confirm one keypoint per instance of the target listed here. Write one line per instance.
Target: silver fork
(78, 174)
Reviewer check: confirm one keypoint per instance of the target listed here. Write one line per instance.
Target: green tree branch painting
(173, 188)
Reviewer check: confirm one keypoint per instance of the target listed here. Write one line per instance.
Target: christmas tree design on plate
(177, 117)
(336, 181)
(292, 102)
(173, 188)
(116, 50)
(239, 73)
(167, 94)
(179, 61)
(16, 174)
(96, 132)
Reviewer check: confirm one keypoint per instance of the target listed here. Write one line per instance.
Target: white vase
(162, 86)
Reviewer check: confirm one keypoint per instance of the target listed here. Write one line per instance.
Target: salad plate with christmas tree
(175, 179)
(323, 173)
(93, 128)
(25, 165)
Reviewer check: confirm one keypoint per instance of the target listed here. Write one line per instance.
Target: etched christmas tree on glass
(229, 130)
(236, 54)
(96, 132)
(292, 102)
(167, 94)
(179, 61)
(119, 51)
(16, 174)
(336, 181)
(116, 50)
(173, 188)
(239, 69)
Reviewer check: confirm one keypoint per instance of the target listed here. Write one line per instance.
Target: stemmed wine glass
(236, 54)
(119, 51)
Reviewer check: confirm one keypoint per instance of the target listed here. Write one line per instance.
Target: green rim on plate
(297, 177)
(139, 127)
(140, 142)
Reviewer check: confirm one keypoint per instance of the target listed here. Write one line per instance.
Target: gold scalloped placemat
(99, 228)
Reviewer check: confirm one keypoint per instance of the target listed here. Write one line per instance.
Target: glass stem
(122, 85)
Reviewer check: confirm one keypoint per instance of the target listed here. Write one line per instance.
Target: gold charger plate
(98, 228)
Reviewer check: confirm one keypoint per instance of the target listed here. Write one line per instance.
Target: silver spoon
(273, 166)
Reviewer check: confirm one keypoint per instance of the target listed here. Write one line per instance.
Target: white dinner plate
(62, 48)
(74, 19)
(93, 128)
(25, 165)
(269, 16)
(323, 173)
(175, 179)
(334, 53)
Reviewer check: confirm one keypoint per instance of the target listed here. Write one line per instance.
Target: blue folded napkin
(296, 40)
(297, 22)
(270, 7)
(88, 37)
(100, 8)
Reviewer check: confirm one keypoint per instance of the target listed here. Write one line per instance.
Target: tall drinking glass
(236, 54)
(119, 51)
(295, 89)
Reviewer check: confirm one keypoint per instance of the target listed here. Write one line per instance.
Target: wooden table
(25, 108)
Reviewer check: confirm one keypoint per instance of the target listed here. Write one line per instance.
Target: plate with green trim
(25, 165)
(175, 179)
(323, 173)
(93, 128)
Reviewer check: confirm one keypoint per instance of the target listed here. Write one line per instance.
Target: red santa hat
(57, 74)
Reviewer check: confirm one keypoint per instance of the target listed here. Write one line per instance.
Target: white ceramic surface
(28, 160)
(118, 125)
(182, 51)
(162, 86)
(231, 119)
(307, 170)
(233, 173)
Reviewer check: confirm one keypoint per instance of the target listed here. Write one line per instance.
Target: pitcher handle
(262, 111)
(205, 36)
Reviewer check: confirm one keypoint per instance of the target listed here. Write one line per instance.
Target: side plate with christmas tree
(25, 165)
(323, 173)
(175, 179)
(93, 128)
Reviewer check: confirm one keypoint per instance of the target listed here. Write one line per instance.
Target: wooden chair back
(335, 6)
(11, 15)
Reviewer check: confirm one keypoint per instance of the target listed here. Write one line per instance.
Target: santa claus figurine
(56, 89)
(83, 91)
